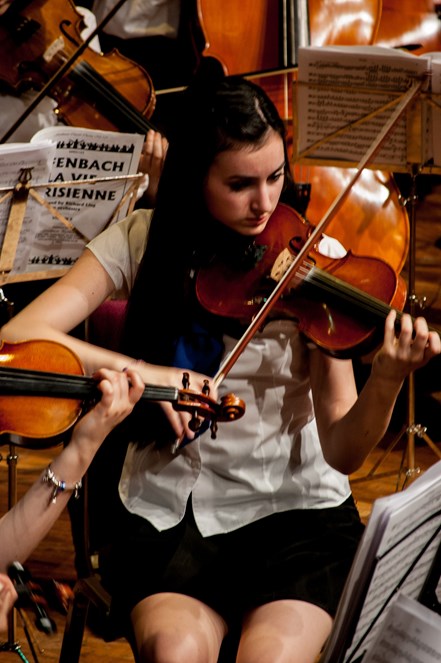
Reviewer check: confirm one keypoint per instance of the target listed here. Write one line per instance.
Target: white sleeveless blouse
(268, 461)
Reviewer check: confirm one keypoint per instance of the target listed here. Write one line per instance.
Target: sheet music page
(82, 155)
(434, 107)
(340, 85)
(396, 552)
(36, 159)
(391, 571)
(410, 632)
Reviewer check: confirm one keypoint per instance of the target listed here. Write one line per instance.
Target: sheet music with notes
(89, 172)
(410, 632)
(435, 104)
(346, 94)
(81, 156)
(396, 554)
(33, 161)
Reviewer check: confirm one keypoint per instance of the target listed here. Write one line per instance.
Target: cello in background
(419, 27)
(419, 31)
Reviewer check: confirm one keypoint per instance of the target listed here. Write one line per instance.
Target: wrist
(387, 387)
(58, 485)
(74, 460)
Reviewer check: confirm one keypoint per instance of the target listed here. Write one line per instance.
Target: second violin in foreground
(39, 403)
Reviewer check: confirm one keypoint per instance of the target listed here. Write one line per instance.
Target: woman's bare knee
(171, 628)
(284, 632)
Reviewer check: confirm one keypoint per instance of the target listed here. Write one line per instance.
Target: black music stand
(411, 429)
(413, 163)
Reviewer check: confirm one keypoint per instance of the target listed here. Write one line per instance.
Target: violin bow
(281, 286)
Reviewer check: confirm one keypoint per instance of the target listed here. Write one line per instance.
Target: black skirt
(299, 554)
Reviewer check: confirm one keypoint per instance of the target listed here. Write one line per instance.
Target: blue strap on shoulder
(199, 351)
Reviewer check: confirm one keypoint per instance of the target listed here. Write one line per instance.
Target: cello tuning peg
(186, 380)
(206, 388)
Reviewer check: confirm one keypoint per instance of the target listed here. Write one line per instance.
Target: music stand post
(414, 166)
(416, 304)
(12, 644)
(411, 430)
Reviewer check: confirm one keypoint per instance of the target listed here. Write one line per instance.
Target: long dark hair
(213, 117)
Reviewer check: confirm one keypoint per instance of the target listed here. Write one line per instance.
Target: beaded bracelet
(59, 486)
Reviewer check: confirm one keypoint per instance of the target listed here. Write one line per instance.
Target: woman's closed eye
(244, 183)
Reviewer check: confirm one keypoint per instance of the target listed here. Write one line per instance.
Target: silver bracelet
(59, 486)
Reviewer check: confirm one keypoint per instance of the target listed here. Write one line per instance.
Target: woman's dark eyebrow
(281, 167)
(250, 177)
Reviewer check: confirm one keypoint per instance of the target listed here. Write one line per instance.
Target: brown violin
(109, 91)
(43, 391)
(338, 303)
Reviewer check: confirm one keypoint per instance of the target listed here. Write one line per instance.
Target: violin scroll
(201, 406)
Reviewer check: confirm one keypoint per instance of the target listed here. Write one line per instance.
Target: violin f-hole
(64, 24)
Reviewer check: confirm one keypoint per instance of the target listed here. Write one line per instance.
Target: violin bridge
(54, 49)
(281, 264)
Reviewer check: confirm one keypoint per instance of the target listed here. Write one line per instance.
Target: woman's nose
(261, 202)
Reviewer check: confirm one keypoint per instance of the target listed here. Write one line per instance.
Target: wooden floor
(53, 559)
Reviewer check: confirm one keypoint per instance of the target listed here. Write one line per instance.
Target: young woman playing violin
(254, 532)
(28, 522)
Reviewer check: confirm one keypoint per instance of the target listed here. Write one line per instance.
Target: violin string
(95, 83)
(350, 294)
(99, 87)
(328, 282)
(24, 381)
(33, 381)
